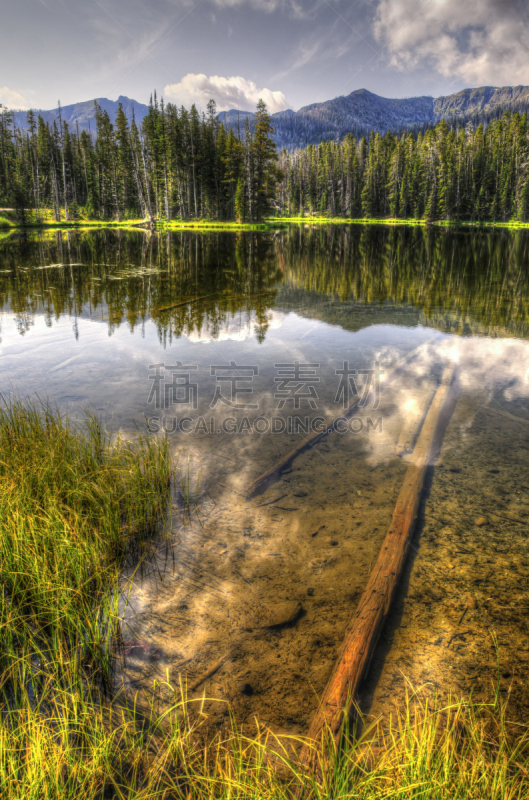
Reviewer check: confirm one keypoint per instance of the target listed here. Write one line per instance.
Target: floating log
(271, 475)
(363, 632)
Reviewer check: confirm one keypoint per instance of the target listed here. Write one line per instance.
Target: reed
(73, 504)
(67, 748)
(188, 488)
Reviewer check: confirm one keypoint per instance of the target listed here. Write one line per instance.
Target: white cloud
(234, 92)
(235, 330)
(12, 99)
(326, 42)
(478, 41)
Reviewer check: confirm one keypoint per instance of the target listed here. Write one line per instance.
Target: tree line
(442, 173)
(178, 163)
(186, 165)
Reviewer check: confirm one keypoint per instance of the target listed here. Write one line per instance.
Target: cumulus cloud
(234, 92)
(12, 99)
(478, 41)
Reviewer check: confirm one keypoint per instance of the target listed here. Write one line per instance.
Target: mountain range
(359, 113)
(82, 115)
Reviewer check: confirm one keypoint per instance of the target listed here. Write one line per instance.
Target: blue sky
(291, 52)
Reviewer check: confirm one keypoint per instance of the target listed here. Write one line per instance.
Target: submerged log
(271, 475)
(192, 687)
(186, 302)
(412, 425)
(363, 632)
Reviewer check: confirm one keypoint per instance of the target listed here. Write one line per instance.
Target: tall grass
(72, 505)
(69, 750)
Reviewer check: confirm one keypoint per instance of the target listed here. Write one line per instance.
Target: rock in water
(141, 650)
(282, 615)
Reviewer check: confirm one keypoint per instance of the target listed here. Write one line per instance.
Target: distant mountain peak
(359, 113)
(82, 115)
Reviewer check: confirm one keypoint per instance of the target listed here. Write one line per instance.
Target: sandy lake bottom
(259, 593)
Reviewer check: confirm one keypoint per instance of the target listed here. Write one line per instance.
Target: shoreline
(7, 224)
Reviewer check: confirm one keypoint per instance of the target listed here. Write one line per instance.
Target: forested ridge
(442, 173)
(179, 164)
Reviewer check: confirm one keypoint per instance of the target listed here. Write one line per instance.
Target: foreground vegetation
(71, 746)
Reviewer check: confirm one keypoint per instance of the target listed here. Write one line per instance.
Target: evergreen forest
(183, 165)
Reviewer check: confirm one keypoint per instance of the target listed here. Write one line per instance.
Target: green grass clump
(72, 503)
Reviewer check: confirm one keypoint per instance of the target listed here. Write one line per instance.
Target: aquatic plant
(188, 488)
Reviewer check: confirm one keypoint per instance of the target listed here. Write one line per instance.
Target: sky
(289, 52)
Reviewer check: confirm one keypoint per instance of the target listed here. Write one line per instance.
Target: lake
(237, 346)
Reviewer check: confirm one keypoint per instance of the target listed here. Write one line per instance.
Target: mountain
(362, 111)
(82, 115)
(358, 113)
(487, 100)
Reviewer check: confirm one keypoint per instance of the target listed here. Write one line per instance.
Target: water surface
(215, 339)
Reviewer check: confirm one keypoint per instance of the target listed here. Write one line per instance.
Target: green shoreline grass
(10, 223)
(411, 222)
(72, 503)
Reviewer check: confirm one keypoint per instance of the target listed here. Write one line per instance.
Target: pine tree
(264, 172)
